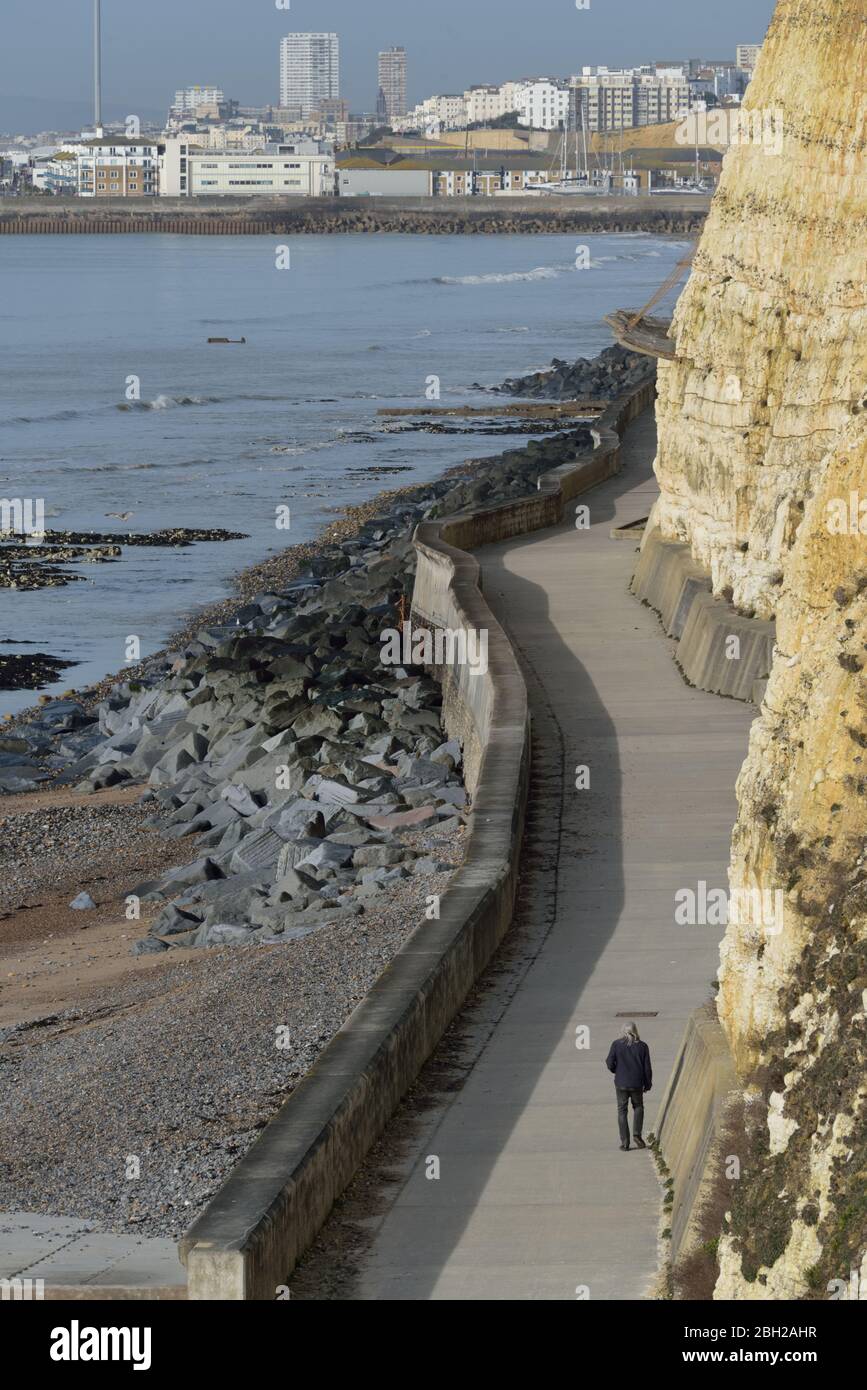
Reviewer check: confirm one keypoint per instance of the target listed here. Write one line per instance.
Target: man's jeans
(623, 1099)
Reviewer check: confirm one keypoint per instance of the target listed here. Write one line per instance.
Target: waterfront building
(385, 183)
(57, 174)
(116, 167)
(299, 169)
(309, 71)
(391, 98)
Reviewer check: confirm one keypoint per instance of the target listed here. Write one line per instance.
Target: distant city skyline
(148, 55)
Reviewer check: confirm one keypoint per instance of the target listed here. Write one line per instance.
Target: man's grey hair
(630, 1033)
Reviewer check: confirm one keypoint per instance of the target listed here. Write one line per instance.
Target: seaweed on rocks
(40, 565)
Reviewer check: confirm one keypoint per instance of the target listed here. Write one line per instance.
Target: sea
(117, 415)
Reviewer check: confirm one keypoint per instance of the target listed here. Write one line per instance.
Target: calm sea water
(224, 435)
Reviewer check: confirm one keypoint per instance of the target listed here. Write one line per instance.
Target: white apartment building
(309, 71)
(615, 100)
(485, 104)
(58, 175)
(436, 114)
(661, 97)
(298, 170)
(543, 104)
(188, 100)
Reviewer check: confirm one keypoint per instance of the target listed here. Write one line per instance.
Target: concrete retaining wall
(671, 582)
(700, 1089)
(247, 1241)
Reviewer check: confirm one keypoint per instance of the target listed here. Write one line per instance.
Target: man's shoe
(639, 1143)
(624, 1147)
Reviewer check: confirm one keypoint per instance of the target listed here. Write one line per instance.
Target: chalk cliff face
(762, 464)
(793, 995)
(771, 342)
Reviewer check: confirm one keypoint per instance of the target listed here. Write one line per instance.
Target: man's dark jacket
(630, 1063)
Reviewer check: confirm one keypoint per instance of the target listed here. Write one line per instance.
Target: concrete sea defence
(719, 650)
(248, 1240)
(666, 215)
(702, 1085)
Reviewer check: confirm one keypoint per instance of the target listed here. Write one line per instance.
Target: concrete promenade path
(60, 1257)
(534, 1199)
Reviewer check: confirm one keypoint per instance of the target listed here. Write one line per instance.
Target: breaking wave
(168, 402)
(542, 272)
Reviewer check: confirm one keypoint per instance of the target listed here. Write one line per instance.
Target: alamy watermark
(846, 516)
(730, 126)
(717, 907)
(18, 1290)
(22, 516)
(440, 646)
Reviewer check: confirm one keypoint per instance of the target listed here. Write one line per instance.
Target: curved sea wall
(762, 463)
(246, 1243)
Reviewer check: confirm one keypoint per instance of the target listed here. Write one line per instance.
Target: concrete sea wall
(718, 649)
(702, 1084)
(247, 1241)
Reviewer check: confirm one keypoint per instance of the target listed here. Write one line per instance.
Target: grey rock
(317, 722)
(148, 946)
(173, 922)
(448, 753)
(11, 781)
(292, 854)
(186, 876)
(260, 850)
(450, 826)
(107, 777)
(327, 854)
(426, 865)
(293, 884)
(83, 903)
(239, 799)
(339, 793)
(380, 856)
(296, 819)
(421, 771)
(371, 889)
(223, 934)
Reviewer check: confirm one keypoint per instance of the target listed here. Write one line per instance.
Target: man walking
(629, 1059)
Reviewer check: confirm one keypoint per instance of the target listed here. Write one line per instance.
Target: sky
(152, 47)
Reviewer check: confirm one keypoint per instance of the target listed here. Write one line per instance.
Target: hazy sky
(151, 47)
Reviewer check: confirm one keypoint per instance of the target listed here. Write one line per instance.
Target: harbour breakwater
(666, 215)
